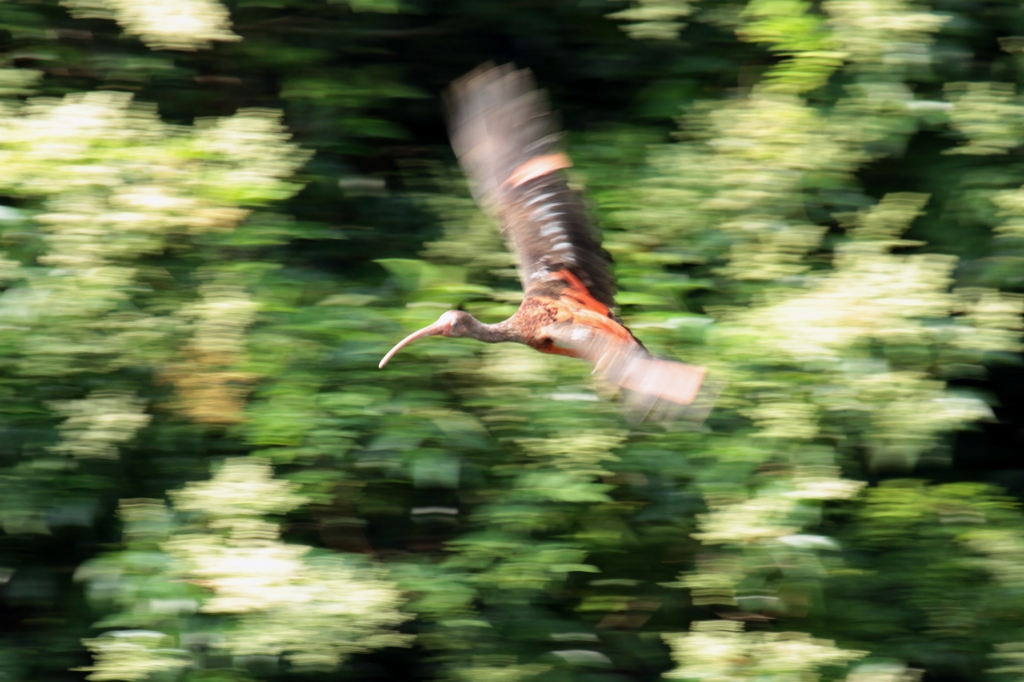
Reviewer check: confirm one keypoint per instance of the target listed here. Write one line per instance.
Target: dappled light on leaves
(831, 348)
(821, 203)
(848, 345)
(1011, 209)
(115, 184)
(801, 37)
(722, 652)
(871, 297)
(311, 609)
(162, 24)
(769, 524)
(654, 19)
(988, 115)
(884, 34)
(977, 582)
(133, 655)
(470, 237)
(95, 426)
(775, 513)
(211, 387)
(241, 491)
(1008, 659)
(581, 453)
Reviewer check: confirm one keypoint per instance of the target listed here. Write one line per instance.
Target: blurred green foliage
(216, 217)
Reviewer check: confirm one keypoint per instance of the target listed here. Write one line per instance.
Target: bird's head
(455, 323)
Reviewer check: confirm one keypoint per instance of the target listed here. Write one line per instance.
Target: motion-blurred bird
(507, 140)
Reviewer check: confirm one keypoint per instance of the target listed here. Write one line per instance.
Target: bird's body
(506, 138)
(562, 299)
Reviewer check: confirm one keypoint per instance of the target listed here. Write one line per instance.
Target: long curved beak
(436, 329)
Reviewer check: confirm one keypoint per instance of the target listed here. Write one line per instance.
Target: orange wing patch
(538, 166)
(576, 306)
(576, 292)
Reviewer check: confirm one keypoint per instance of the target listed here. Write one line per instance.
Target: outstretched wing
(507, 140)
(662, 387)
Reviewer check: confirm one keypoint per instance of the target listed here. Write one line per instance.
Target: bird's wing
(662, 387)
(507, 140)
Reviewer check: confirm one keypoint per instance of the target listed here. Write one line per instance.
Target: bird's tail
(657, 407)
(655, 388)
(502, 129)
(661, 390)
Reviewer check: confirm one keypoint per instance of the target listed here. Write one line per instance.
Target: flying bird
(507, 140)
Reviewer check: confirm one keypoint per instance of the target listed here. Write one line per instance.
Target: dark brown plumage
(507, 140)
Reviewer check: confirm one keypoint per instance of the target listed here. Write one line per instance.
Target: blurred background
(215, 218)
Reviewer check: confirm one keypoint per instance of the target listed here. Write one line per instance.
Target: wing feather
(507, 140)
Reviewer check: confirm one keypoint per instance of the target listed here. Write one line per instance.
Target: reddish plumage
(506, 138)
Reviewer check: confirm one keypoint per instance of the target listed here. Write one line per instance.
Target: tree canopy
(216, 217)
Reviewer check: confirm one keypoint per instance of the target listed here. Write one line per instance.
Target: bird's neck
(494, 333)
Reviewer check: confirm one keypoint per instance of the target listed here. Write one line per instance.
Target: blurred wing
(507, 140)
(661, 387)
